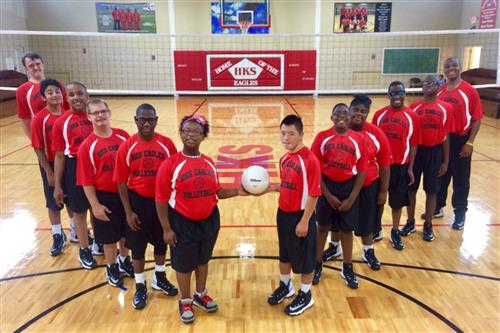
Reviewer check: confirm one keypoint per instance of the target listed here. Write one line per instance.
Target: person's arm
(446, 156)
(98, 210)
(468, 147)
(413, 153)
(132, 218)
(303, 226)
(346, 204)
(26, 126)
(332, 199)
(58, 175)
(169, 235)
(44, 162)
(384, 174)
(225, 193)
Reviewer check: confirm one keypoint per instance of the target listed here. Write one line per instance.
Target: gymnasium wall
(13, 14)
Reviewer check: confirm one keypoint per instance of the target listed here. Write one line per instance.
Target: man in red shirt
(28, 98)
(68, 133)
(401, 127)
(137, 163)
(432, 153)
(467, 114)
(187, 192)
(300, 175)
(116, 18)
(41, 140)
(137, 20)
(342, 157)
(95, 167)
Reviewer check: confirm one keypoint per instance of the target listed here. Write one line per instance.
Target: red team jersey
(300, 175)
(30, 102)
(69, 132)
(378, 152)
(138, 161)
(402, 130)
(97, 158)
(41, 131)
(466, 105)
(189, 185)
(435, 121)
(341, 157)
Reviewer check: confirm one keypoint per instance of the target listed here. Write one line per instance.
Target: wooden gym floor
(451, 284)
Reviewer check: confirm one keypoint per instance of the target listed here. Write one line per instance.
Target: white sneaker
(73, 237)
(97, 249)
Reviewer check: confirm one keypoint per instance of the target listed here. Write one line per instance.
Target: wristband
(468, 143)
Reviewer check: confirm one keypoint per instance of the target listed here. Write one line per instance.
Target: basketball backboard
(233, 12)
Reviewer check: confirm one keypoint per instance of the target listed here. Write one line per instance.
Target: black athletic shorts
(48, 191)
(398, 186)
(327, 216)
(150, 228)
(369, 211)
(300, 252)
(195, 240)
(109, 232)
(428, 161)
(77, 201)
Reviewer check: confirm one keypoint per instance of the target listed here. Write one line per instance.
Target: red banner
(245, 70)
(488, 18)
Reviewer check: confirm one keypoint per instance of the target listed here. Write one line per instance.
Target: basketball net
(244, 25)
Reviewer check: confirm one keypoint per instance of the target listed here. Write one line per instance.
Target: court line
(488, 157)
(8, 124)
(15, 151)
(489, 125)
(291, 105)
(199, 106)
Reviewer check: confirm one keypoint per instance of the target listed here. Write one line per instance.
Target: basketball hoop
(244, 25)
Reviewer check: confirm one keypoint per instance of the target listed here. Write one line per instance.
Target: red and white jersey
(466, 105)
(300, 175)
(41, 131)
(402, 129)
(435, 121)
(138, 161)
(69, 132)
(30, 101)
(189, 185)
(378, 152)
(341, 157)
(96, 160)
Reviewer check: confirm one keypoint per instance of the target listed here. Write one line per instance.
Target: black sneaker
(396, 241)
(140, 296)
(160, 282)
(113, 274)
(428, 234)
(333, 251)
(349, 276)
(377, 236)
(438, 213)
(459, 222)
(86, 259)
(59, 240)
(282, 292)
(317, 273)
(126, 267)
(408, 228)
(370, 259)
(301, 303)
(205, 302)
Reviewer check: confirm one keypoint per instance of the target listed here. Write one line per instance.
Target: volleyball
(255, 179)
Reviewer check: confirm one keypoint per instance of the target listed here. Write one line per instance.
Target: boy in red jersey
(68, 133)
(28, 98)
(137, 20)
(342, 157)
(300, 175)
(401, 127)
(187, 191)
(116, 18)
(41, 140)
(96, 164)
(137, 163)
(467, 114)
(432, 153)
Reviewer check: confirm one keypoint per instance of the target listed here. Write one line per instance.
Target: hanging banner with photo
(362, 17)
(488, 18)
(126, 17)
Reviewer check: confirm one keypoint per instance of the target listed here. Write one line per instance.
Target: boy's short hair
(293, 120)
(30, 55)
(49, 82)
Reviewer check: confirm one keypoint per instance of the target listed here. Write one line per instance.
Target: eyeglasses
(99, 112)
(400, 93)
(143, 121)
(192, 133)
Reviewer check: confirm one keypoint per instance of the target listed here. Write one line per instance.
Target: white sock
(335, 243)
(122, 258)
(305, 287)
(56, 229)
(71, 223)
(367, 247)
(186, 300)
(140, 277)
(285, 278)
(202, 293)
(160, 268)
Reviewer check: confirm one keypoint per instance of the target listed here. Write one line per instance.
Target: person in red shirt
(123, 19)
(343, 15)
(346, 23)
(116, 18)
(41, 140)
(137, 163)
(299, 189)
(342, 157)
(28, 98)
(467, 115)
(129, 17)
(364, 12)
(68, 133)
(401, 127)
(95, 167)
(137, 20)
(432, 153)
(187, 191)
